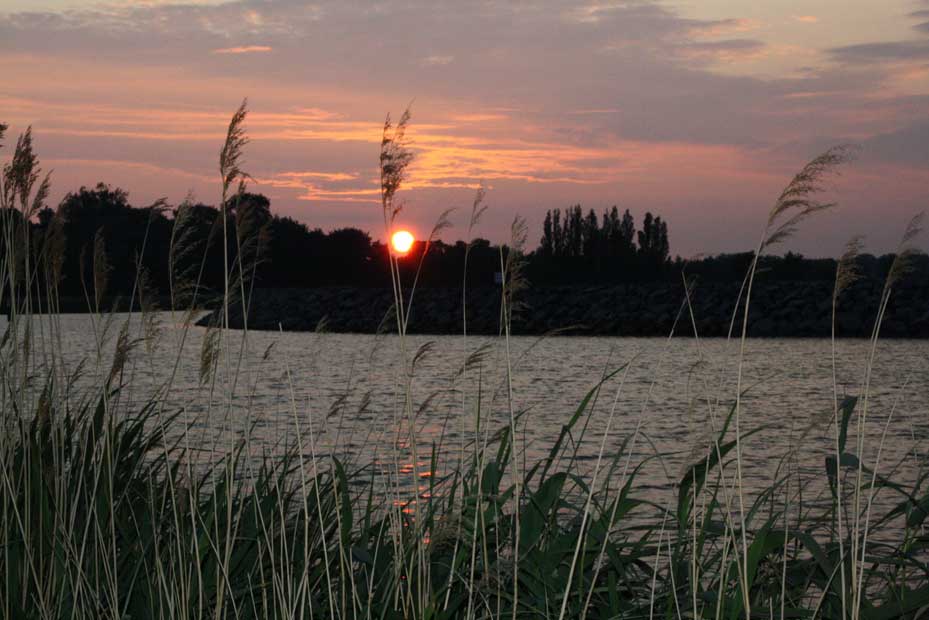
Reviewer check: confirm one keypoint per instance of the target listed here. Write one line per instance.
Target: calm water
(345, 393)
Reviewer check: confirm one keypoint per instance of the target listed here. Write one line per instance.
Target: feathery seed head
(903, 261)
(798, 200)
(847, 271)
(21, 173)
(477, 209)
(441, 224)
(514, 277)
(230, 157)
(394, 159)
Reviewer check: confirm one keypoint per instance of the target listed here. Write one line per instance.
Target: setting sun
(402, 241)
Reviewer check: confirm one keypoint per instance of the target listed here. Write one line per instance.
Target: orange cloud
(806, 19)
(326, 176)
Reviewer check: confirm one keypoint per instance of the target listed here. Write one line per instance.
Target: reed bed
(114, 509)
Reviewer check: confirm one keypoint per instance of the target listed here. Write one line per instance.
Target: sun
(402, 241)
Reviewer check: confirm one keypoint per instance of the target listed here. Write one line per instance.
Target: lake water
(345, 394)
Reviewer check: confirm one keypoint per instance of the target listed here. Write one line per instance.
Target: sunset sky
(699, 110)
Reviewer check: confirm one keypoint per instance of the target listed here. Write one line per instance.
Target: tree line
(99, 240)
(614, 237)
(102, 241)
(605, 248)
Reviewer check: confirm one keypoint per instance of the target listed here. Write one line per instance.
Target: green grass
(106, 511)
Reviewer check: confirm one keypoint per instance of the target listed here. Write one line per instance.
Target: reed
(118, 506)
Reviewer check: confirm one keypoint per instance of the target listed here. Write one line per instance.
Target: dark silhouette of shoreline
(589, 274)
(779, 309)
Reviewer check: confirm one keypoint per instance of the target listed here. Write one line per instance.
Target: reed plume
(906, 252)
(847, 271)
(253, 235)
(21, 173)
(514, 269)
(124, 346)
(798, 200)
(478, 207)
(230, 156)
(230, 169)
(394, 159)
(148, 305)
(183, 244)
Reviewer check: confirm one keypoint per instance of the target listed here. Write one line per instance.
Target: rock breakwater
(778, 309)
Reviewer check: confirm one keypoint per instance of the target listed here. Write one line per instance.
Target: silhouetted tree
(653, 246)
(591, 236)
(626, 240)
(575, 231)
(609, 232)
(547, 244)
(290, 239)
(127, 235)
(653, 238)
(558, 234)
(646, 235)
(662, 245)
(348, 253)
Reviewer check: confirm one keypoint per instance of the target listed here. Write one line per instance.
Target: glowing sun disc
(402, 241)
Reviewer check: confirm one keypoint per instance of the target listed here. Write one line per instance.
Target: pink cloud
(244, 49)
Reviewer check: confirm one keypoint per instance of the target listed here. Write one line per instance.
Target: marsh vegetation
(114, 507)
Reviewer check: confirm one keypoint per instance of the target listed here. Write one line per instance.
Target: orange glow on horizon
(401, 241)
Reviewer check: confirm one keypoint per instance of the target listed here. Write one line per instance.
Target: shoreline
(779, 310)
